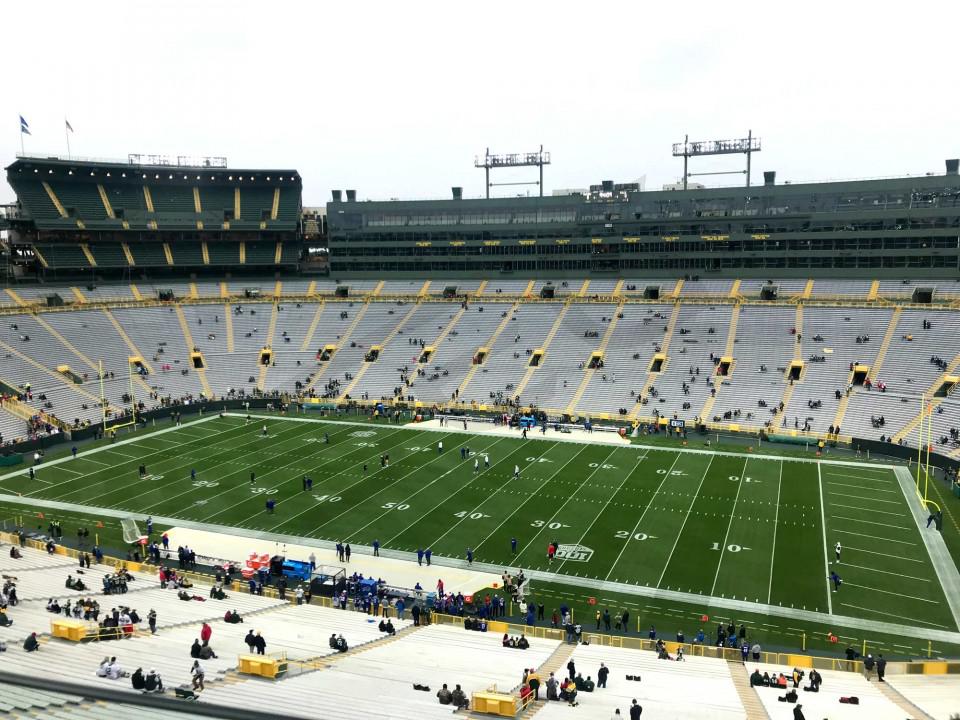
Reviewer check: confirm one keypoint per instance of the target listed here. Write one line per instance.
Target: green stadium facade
(895, 228)
(115, 217)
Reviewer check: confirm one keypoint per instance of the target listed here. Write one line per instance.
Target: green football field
(709, 524)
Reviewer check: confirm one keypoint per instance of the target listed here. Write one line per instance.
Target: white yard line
(873, 537)
(733, 513)
(861, 497)
(686, 517)
(887, 592)
(860, 487)
(407, 499)
(885, 572)
(476, 476)
(295, 461)
(899, 617)
(823, 527)
(848, 476)
(570, 496)
(606, 505)
(883, 554)
(417, 469)
(534, 494)
(870, 522)
(626, 542)
(776, 519)
(871, 510)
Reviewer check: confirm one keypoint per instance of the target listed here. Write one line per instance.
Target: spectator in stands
(459, 698)
(195, 648)
(196, 672)
(251, 640)
(152, 682)
(137, 679)
(635, 710)
(205, 633)
(444, 695)
(552, 687)
(815, 681)
(756, 679)
(31, 643)
(15, 552)
(260, 643)
(232, 617)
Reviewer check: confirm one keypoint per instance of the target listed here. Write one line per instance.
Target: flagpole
(66, 132)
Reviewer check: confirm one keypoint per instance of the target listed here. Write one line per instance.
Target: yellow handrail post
(804, 642)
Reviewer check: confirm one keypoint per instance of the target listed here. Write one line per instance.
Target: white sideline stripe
(552, 438)
(860, 497)
(885, 572)
(869, 522)
(901, 617)
(887, 592)
(682, 526)
(95, 462)
(886, 555)
(776, 519)
(123, 454)
(858, 477)
(874, 537)
(853, 621)
(871, 510)
(823, 527)
(860, 487)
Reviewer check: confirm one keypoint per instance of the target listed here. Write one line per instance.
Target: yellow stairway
(589, 372)
(262, 378)
(664, 349)
(528, 375)
(364, 366)
(727, 352)
(188, 338)
(489, 344)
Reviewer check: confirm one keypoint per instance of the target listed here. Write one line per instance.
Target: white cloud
(395, 99)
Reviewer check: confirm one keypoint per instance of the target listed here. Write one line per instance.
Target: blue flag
(24, 127)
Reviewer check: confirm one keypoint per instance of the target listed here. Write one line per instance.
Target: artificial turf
(714, 525)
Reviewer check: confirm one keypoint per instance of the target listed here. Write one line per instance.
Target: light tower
(687, 150)
(490, 162)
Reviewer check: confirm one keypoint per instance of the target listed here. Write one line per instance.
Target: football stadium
(492, 455)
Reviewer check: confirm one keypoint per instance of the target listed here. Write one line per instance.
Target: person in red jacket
(205, 632)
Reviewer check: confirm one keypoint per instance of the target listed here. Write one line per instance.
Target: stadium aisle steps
(308, 338)
(665, 350)
(556, 663)
(438, 341)
(528, 375)
(588, 372)
(910, 710)
(488, 344)
(268, 343)
(344, 339)
(188, 338)
(386, 341)
(748, 695)
(727, 352)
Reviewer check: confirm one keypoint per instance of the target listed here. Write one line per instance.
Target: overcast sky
(395, 99)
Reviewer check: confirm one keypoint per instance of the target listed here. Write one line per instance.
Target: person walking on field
(837, 550)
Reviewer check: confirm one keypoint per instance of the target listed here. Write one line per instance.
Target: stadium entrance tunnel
(651, 292)
(69, 374)
(725, 366)
(326, 353)
(795, 370)
(536, 359)
(373, 353)
(947, 386)
(658, 363)
(197, 360)
(136, 363)
(425, 354)
(860, 373)
(266, 355)
(596, 361)
(481, 355)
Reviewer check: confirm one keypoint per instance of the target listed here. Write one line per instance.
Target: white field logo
(574, 553)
